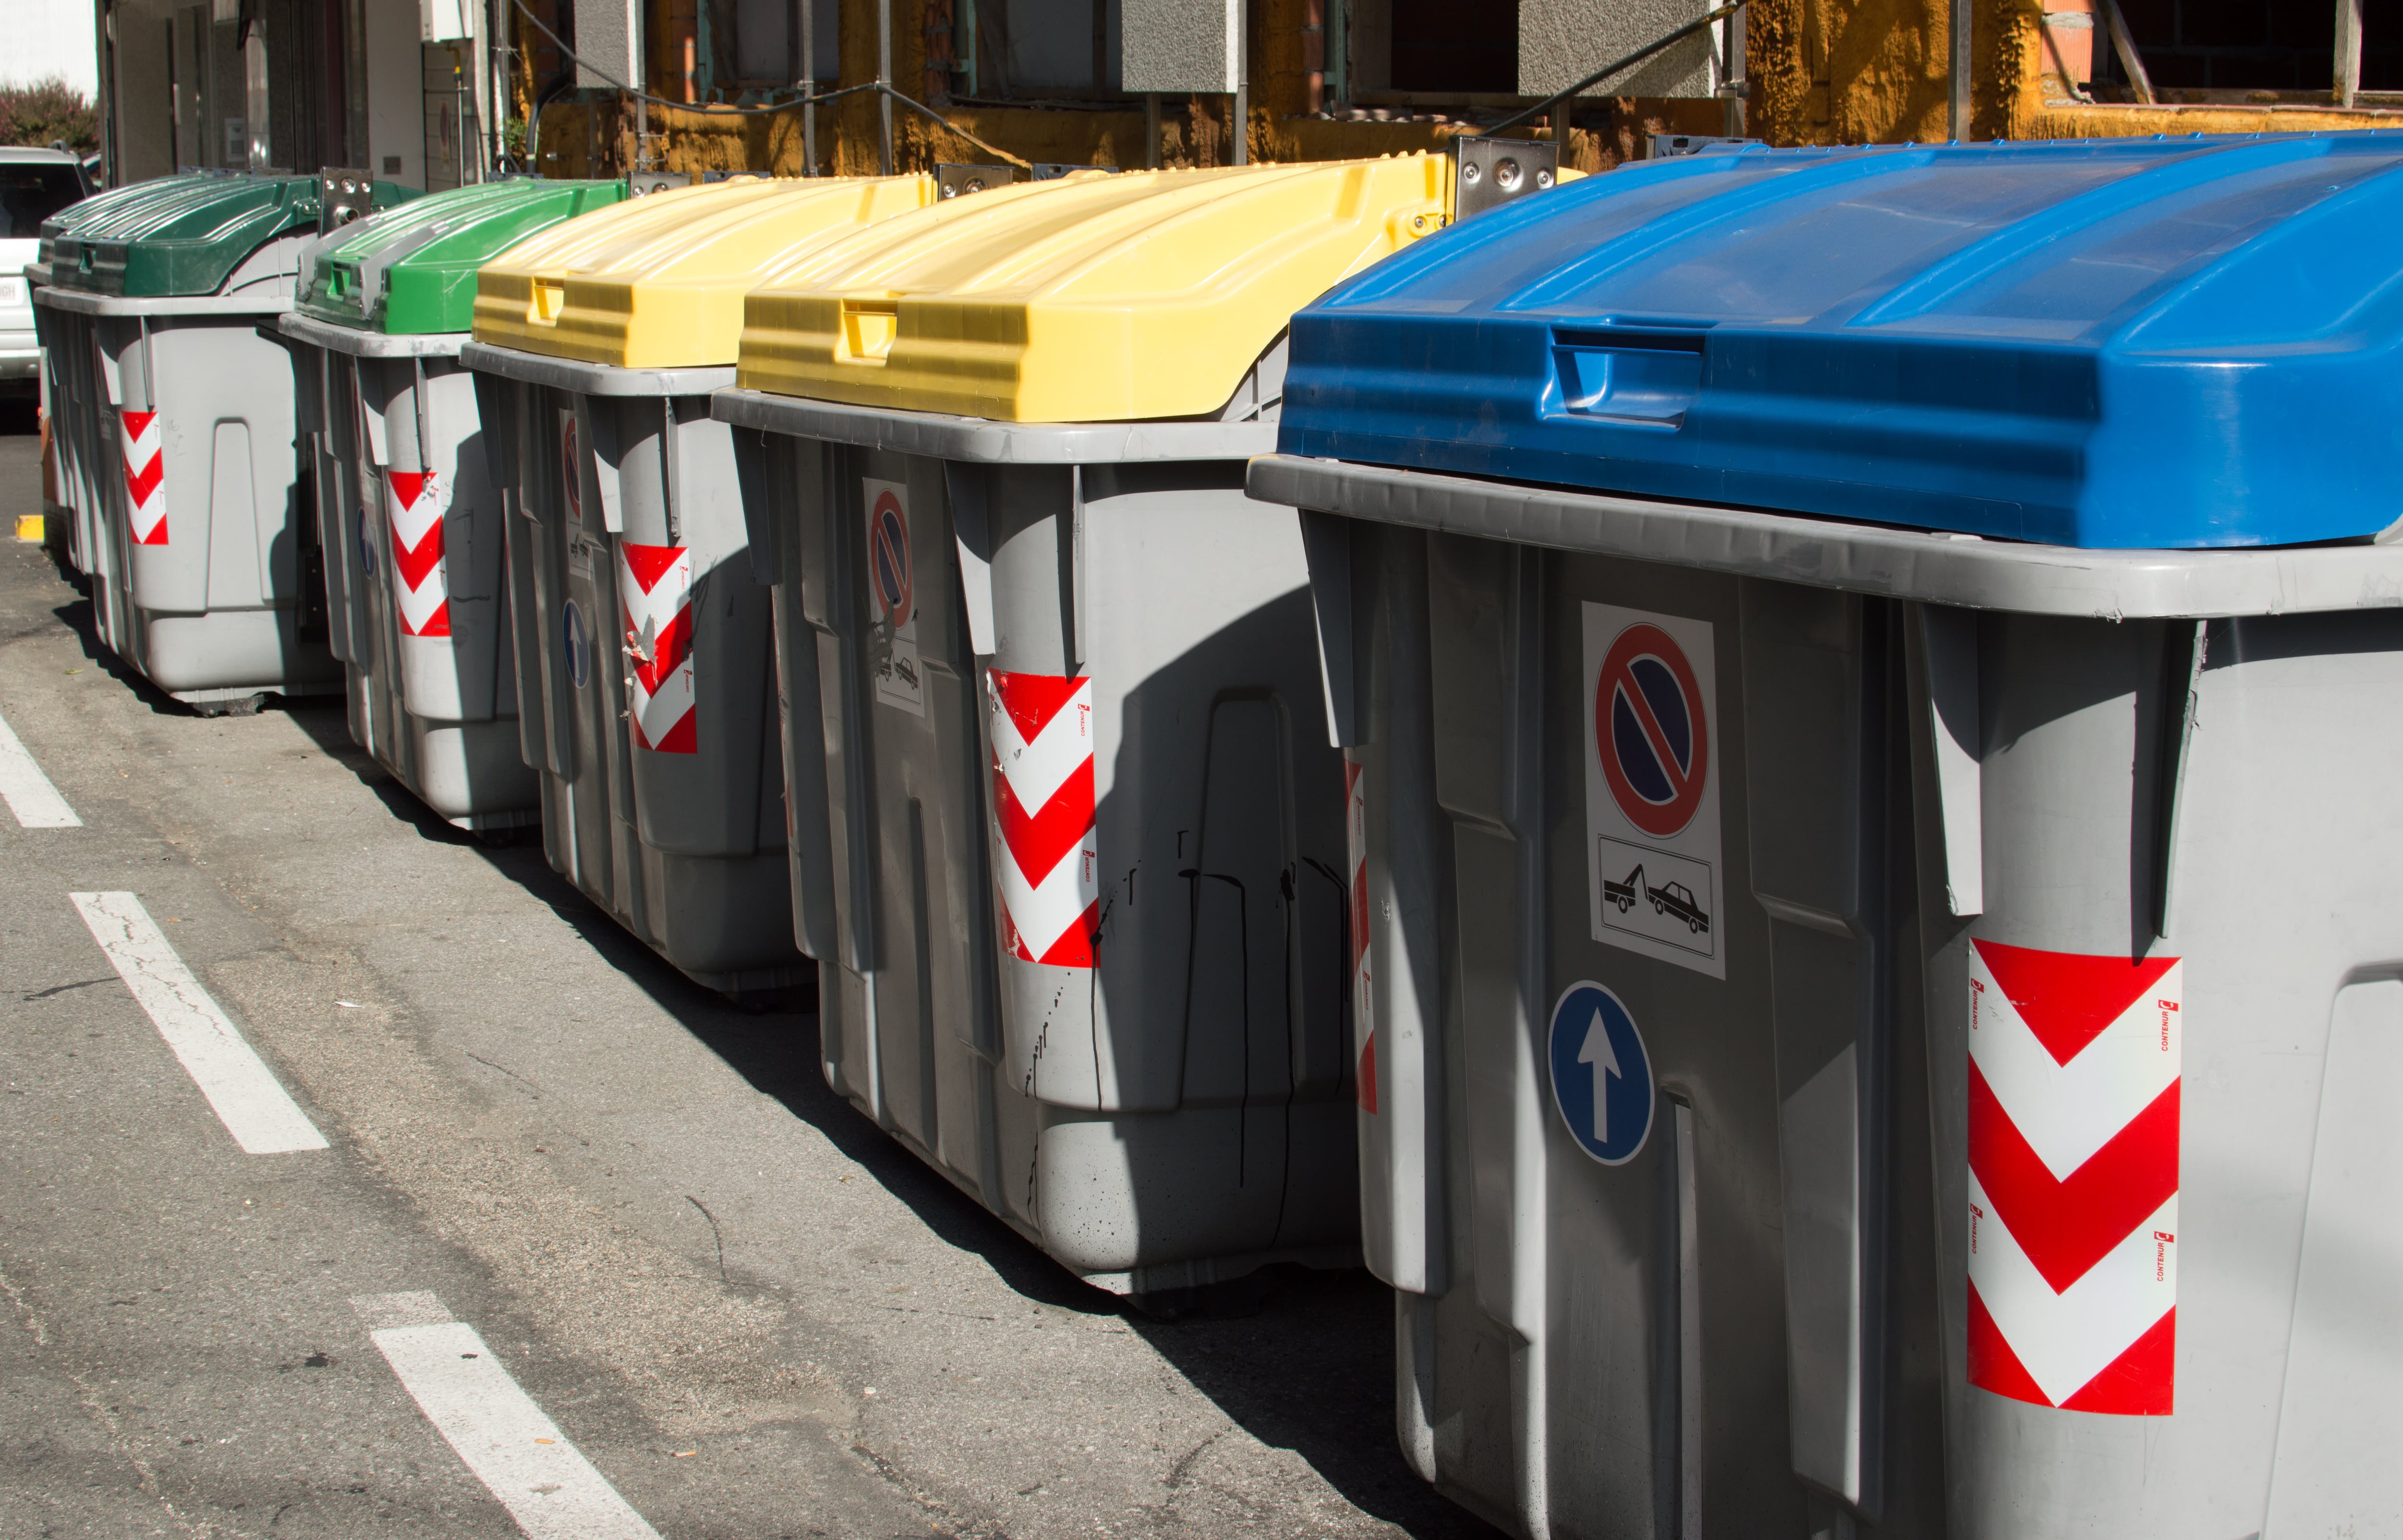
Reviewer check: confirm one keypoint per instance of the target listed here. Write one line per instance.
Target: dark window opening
(2252, 44)
(1443, 45)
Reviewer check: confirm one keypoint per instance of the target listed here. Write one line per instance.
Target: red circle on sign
(569, 472)
(1682, 779)
(888, 557)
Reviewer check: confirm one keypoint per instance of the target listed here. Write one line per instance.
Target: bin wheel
(1228, 1299)
(241, 705)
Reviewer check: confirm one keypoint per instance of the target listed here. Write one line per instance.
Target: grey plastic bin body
(625, 518)
(418, 618)
(1972, 798)
(67, 390)
(333, 437)
(80, 426)
(199, 543)
(1165, 1102)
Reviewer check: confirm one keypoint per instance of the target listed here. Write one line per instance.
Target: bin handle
(1327, 549)
(972, 528)
(1948, 642)
(598, 431)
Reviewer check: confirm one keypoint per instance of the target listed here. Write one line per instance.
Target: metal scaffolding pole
(808, 28)
(1956, 116)
(884, 84)
(2348, 50)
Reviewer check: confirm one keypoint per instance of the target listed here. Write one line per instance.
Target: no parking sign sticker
(1652, 785)
(899, 673)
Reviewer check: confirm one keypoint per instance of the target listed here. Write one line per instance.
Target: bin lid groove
(191, 236)
(658, 282)
(1097, 298)
(411, 269)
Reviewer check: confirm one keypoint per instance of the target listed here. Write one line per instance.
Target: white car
(35, 184)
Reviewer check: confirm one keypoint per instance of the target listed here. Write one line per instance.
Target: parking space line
(253, 1105)
(27, 791)
(519, 1454)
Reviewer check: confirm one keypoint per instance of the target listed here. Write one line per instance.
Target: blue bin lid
(2112, 343)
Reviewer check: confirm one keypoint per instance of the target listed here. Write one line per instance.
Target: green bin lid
(412, 270)
(112, 202)
(191, 237)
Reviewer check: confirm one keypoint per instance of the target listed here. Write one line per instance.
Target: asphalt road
(752, 1314)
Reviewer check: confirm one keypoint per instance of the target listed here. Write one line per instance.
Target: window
(1441, 46)
(30, 194)
(2251, 44)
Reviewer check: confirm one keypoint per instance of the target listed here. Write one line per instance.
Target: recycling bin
(409, 515)
(200, 541)
(1821, 640)
(641, 646)
(1064, 844)
(70, 368)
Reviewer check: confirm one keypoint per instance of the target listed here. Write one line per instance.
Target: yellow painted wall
(1855, 72)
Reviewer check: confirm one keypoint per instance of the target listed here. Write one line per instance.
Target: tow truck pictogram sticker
(1672, 899)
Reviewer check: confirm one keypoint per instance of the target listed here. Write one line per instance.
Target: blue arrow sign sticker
(1601, 1078)
(579, 645)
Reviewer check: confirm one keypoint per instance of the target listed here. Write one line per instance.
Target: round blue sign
(1601, 1078)
(580, 647)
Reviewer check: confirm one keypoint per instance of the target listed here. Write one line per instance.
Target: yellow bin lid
(1098, 297)
(658, 282)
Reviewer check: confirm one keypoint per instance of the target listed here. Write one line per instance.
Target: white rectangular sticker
(892, 659)
(1652, 786)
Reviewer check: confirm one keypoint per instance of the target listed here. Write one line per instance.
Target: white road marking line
(254, 1105)
(28, 792)
(520, 1456)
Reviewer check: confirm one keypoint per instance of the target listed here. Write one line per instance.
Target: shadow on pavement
(77, 617)
(1307, 1366)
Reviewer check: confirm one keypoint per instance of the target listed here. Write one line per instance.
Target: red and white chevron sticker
(1043, 793)
(655, 586)
(421, 583)
(146, 477)
(2074, 1077)
(1355, 838)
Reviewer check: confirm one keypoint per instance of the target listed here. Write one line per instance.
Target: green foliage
(49, 110)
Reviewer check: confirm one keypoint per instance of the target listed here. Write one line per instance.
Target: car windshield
(30, 194)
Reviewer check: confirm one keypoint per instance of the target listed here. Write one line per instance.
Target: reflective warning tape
(654, 588)
(2075, 1069)
(1355, 839)
(1043, 798)
(419, 579)
(145, 477)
